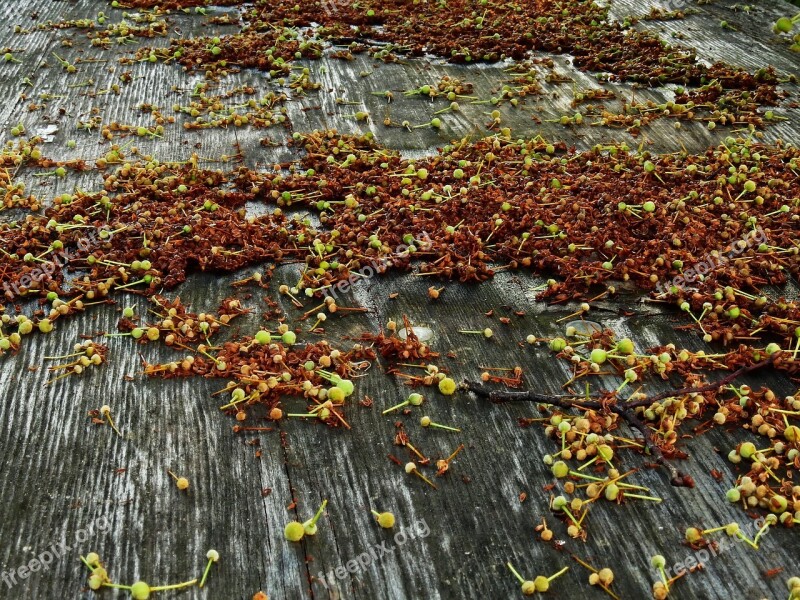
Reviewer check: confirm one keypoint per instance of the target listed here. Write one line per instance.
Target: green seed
(625, 346)
(747, 449)
(346, 386)
(140, 591)
(560, 469)
(599, 356)
(658, 561)
(386, 520)
(447, 386)
(294, 531)
(784, 25)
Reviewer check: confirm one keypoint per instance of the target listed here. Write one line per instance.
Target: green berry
(386, 520)
(733, 495)
(528, 588)
(294, 531)
(693, 535)
(747, 449)
(612, 491)
(447, 386)
(346, 386)
(658, 561)
(599, 356)
(605, 452)
(778, 504)
(140, 591)
(560, 469)
(784, 25)
(625, 346)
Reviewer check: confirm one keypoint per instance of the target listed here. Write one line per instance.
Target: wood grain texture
(61, 473)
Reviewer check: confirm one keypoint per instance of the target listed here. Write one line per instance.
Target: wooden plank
(60, 471)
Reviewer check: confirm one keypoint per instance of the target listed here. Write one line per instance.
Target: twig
(716, 385)
(624, 409)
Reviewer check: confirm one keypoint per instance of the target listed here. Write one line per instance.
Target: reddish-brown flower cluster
(462, 31)
(400, 349)
(711, 230)
(274, 34)
(179, 327)
(173, 4)
(270, 374)
(269, 50)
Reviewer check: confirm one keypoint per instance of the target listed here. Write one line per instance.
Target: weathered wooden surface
(60, 473)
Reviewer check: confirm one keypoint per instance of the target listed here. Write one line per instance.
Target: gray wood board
(61, 473)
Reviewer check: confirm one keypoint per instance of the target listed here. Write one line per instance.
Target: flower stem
(514, 571)
(205, 573)
(174, 586)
